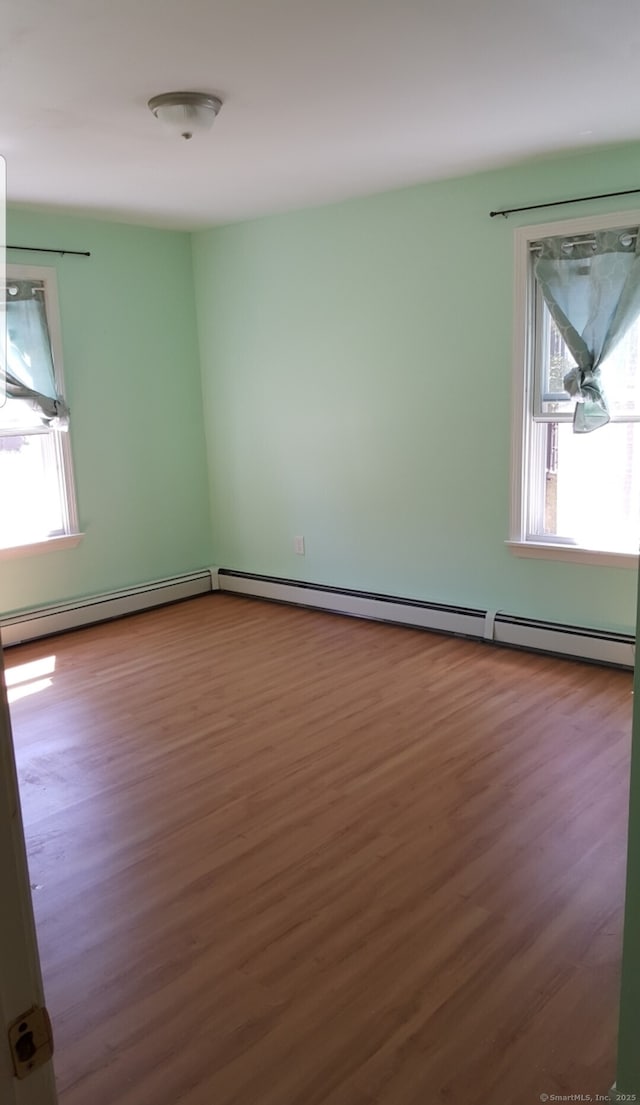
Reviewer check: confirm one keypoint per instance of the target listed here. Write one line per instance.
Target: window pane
(31, 506)
(556, 361)
(17, 414)
(592, 485)
(621, 374)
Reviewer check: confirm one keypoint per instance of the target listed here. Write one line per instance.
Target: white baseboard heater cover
(47, 620)
(598, 646)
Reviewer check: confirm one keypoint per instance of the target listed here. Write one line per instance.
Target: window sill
(573, 554)
(51, 544)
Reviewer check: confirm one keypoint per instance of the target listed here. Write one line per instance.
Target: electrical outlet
(298, 545)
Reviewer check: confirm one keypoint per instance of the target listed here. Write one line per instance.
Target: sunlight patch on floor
(27, 679)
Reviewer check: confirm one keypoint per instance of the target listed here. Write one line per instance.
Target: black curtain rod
(561, 203)
(37, 249)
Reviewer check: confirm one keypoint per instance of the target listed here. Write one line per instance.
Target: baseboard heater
(43, 622)
(597, 646)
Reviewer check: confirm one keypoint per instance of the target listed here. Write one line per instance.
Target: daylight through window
(37, 501)
(573, 490)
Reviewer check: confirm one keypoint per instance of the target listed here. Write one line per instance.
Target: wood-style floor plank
(283, 857)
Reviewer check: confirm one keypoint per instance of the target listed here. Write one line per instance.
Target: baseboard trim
(45, 621)
(576, 642)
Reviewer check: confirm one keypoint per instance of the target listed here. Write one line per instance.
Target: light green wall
(356, 365)
(133, 384)
(356, 368)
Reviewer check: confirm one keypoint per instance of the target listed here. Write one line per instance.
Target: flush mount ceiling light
(185, 113)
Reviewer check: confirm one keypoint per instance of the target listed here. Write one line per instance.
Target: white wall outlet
(298, 545)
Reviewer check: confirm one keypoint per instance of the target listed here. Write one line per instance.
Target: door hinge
(31, 1041)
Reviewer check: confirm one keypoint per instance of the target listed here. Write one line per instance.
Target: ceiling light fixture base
(186, 113)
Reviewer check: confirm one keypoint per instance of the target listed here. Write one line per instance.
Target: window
(575, 496)
(37, 497)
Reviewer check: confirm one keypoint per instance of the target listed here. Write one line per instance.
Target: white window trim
(521, 395)
(50, 544)
(574, 554)
(62, 444)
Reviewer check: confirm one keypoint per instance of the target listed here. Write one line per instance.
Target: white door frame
(20, 976)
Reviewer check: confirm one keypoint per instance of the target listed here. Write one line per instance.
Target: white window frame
(60, 439)
(522, 398)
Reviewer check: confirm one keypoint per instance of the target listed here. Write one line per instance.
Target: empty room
(319, 528)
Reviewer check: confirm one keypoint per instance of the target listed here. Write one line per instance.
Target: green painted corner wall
(132, 378)
(356, 364)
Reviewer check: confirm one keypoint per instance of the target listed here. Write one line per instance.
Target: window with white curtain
(575, 495)
(37, 495)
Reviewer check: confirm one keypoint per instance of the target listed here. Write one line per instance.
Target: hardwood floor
(289, 858)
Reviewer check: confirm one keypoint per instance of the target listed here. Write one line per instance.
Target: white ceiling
(322, 100)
